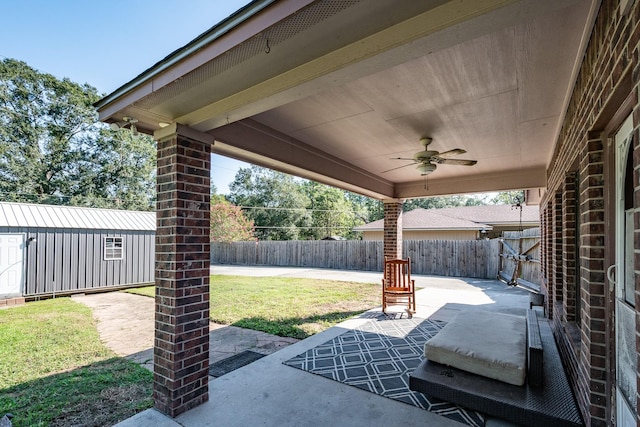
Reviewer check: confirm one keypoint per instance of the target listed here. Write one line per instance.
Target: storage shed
(47, 250)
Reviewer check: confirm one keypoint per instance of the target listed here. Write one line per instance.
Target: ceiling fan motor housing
(424, 156)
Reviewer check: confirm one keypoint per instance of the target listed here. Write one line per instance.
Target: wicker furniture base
(552, 404)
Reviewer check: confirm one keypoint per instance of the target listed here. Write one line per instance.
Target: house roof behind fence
(495, 214)
(427, 219)
(462, 218)
(50, 216)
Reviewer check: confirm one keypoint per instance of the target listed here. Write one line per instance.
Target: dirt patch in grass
(115, 404)
(101, 394)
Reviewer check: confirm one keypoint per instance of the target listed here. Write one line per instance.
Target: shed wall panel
(107, 267)
(100, 278)
(149, 257)
(49, 266)
(75, 256)
(130, 254)
(88, 262)
(71, 260)
(118, 265)
(41, 262)
(96, 258)
(68, 262)
(82, 260)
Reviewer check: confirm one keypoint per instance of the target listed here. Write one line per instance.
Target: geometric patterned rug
(378, 357)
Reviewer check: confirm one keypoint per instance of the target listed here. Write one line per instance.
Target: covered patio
(396, 100)
(268, 392)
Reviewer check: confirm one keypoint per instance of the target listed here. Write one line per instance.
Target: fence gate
(520, 261)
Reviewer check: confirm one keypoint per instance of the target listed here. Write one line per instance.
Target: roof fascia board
(481, 183)
(201, 42)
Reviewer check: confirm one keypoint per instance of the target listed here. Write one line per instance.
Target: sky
(107, 44)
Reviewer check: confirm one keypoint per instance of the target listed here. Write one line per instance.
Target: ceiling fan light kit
(426, 168)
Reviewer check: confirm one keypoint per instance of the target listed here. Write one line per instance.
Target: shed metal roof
(53, 216)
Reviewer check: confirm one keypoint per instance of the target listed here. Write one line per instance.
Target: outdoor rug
(234, 362)
(378, 357)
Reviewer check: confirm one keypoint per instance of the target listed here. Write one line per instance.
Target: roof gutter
(217, 31)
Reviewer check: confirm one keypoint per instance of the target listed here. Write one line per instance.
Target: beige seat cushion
(490, 344)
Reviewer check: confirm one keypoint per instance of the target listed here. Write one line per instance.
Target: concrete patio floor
(268, 393)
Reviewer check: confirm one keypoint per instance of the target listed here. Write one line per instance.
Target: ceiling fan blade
(402, 158)
(450, 153)
(461, 162)
(399, 167)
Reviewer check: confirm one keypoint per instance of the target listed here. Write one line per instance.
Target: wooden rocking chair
(397, 286)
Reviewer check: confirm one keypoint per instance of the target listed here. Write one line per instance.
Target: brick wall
(604, 82)
(181, 347)
(393, 229)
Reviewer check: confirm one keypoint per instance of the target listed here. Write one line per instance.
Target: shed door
(11, 263)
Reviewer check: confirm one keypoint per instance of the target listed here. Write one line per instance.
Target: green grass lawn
(288, 307)
(54, 370)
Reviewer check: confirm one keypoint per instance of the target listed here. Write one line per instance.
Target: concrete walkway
(126, 326)
(268, 393)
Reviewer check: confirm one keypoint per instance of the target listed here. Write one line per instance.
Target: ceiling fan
(427, 160)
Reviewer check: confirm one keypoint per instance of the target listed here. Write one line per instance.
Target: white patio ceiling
(334, 90)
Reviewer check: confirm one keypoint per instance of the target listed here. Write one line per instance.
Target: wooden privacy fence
(458, 258)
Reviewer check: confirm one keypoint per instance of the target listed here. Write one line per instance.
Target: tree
(229, 224)
(275, 201)
(366, 209)
(214, 196)
(53, 149)
(442, 202)
(332, 213)
(509, 198)
(116, 171)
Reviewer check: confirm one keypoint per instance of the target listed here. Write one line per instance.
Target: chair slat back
(397, 273)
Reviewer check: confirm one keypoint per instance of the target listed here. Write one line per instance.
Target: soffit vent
(304, 19)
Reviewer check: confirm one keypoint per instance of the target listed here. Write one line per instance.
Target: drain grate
(234, 362)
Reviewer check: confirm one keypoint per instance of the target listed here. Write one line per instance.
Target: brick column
(393, 228)
(546, 239)
(594, 391)
(181, 348)
(557, 247)
(569, 248)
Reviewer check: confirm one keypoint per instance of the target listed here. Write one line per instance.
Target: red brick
(182, 275)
